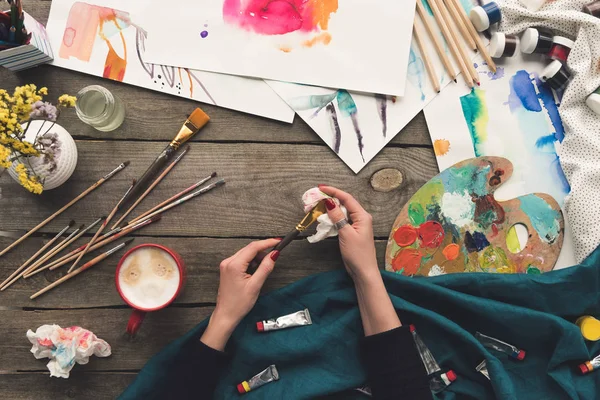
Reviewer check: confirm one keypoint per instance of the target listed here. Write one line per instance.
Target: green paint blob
(469, 178)
(531, 270)
(492, 259)
(545, 219)
(476, 115)
(416, 214)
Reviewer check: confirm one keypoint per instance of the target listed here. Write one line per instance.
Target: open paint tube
(590, 366)
(482, 368)
(492, 343)
(437, 381)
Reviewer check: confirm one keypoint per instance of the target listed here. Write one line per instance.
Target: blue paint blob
(547, 99)
(522, 93)
(476, 241)
(496, 75)
(543, 218)
(203, 34)
(346, 103)
(544, 141)
(416, 71)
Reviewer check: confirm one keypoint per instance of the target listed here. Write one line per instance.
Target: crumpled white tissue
(325, 228)
(65, 347)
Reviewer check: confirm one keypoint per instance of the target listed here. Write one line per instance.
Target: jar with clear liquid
(99, 108)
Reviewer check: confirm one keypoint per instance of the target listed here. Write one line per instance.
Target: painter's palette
(454, 224)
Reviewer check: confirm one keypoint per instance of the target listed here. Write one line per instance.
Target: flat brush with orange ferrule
(192, 125)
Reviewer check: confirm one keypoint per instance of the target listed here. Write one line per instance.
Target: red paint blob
(405, 235)
(494, 230)
(431, 234)
(409, 259)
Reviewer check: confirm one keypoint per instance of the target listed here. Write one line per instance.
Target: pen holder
(37, 52)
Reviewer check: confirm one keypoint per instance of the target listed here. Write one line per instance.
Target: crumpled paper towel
(325, 228)
(65, 347)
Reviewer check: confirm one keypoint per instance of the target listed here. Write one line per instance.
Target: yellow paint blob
(323, 38)
(590, 327)
(512, 241)
(322, 10)
(441, 147)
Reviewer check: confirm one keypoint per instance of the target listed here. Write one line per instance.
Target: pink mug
(139, 311)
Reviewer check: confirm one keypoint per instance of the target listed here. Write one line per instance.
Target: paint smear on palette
(416, 71)
(278, 17)
(476, 115)
(441, 147)
(544, 219)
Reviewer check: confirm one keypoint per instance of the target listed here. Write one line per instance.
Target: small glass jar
(561, 48)
(557, 75)
(99, 108)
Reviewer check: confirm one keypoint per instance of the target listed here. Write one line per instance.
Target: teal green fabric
(532, 312)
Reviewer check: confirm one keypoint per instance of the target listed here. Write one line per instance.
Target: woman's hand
(238, 291)
(357, 244)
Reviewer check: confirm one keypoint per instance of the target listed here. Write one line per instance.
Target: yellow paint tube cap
(590, 327)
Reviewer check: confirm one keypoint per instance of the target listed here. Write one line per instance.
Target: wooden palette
(454, 224)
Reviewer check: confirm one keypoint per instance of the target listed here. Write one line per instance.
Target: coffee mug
(149, 277)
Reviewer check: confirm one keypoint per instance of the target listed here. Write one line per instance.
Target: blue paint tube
(484, 16)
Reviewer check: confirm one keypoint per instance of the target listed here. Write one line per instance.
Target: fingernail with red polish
(320, 185)
(330, 204)
(275, 255)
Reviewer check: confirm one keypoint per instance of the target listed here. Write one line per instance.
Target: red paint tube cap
(451, 376)
(260, 326)
(521, 355)
(241, 389)
(584, 369)
(412, 328)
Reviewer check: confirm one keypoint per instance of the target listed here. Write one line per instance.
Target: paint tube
(482, 368)
(268, 375)
(492, 343)
(431, 366)
(591, 365)
(440, 382)
(299, 318)
(365, 390)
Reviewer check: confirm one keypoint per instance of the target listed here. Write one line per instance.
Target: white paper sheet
(354, 44)
(368, 116)
(75, 30)
(512, 115)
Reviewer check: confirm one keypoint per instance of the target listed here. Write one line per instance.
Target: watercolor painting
(514, 115)
(455, 224)
(103, 39)
(337, 44)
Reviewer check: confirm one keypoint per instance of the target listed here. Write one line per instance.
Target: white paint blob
(436, 270)
(458, 208)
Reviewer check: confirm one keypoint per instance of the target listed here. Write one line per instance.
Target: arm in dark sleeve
(394, 367)
(199, 377)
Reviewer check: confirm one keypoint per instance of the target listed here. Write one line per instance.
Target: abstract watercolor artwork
(454, 224)
(103, 39)
(350, 44)
(514, 115)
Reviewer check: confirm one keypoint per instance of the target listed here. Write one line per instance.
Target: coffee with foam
(149, 277)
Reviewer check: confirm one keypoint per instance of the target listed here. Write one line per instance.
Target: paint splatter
(407, 261)
(436, 270)
(323, 38)
(499, 74)
(204, 34)
(335, 127)
(381, 101)
(278, 17)
(544, 219)
(416, 72)
(441, 147)
(348, 109)
(476, 115)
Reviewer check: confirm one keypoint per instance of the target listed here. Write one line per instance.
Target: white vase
(56, 173)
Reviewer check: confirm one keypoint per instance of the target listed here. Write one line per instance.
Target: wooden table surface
(267, 166)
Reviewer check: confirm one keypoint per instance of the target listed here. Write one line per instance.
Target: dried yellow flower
(67, 101)
(4, 157)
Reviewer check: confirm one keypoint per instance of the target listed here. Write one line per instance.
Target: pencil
(17, 274)
(152, 186)
(99, 231)
(461, 25)
(81, 269)
(436, 41)
(475, 35)
(453, 49)
(64, 208)
(430, 70)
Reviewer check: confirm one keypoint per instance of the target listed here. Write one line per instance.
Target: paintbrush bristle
(81, 226)
(213, 174)
(103, 217)
(198, 118)
(157, 217)
(126, 163)
(128, 241)
(72, 223)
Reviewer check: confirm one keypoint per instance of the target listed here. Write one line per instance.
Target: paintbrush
(104, 224)
(81, 269)
(172, 198)
(309, 219)
(192, 125)
(17, 274)
(152, 186)
(75, 200)
(114, 235)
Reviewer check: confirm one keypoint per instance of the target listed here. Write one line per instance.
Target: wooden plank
(261, 197)
(96, 287)
(158, 329)
(80, 386)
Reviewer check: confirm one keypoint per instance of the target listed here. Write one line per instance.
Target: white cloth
(580, 150)
(65, 347)
(325, 228)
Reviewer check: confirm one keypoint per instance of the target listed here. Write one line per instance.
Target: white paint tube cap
(479, 18)
(563, 41)
(593, 102)
(533, 5)
(497, 44)
(529, 40)
(551, 70)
